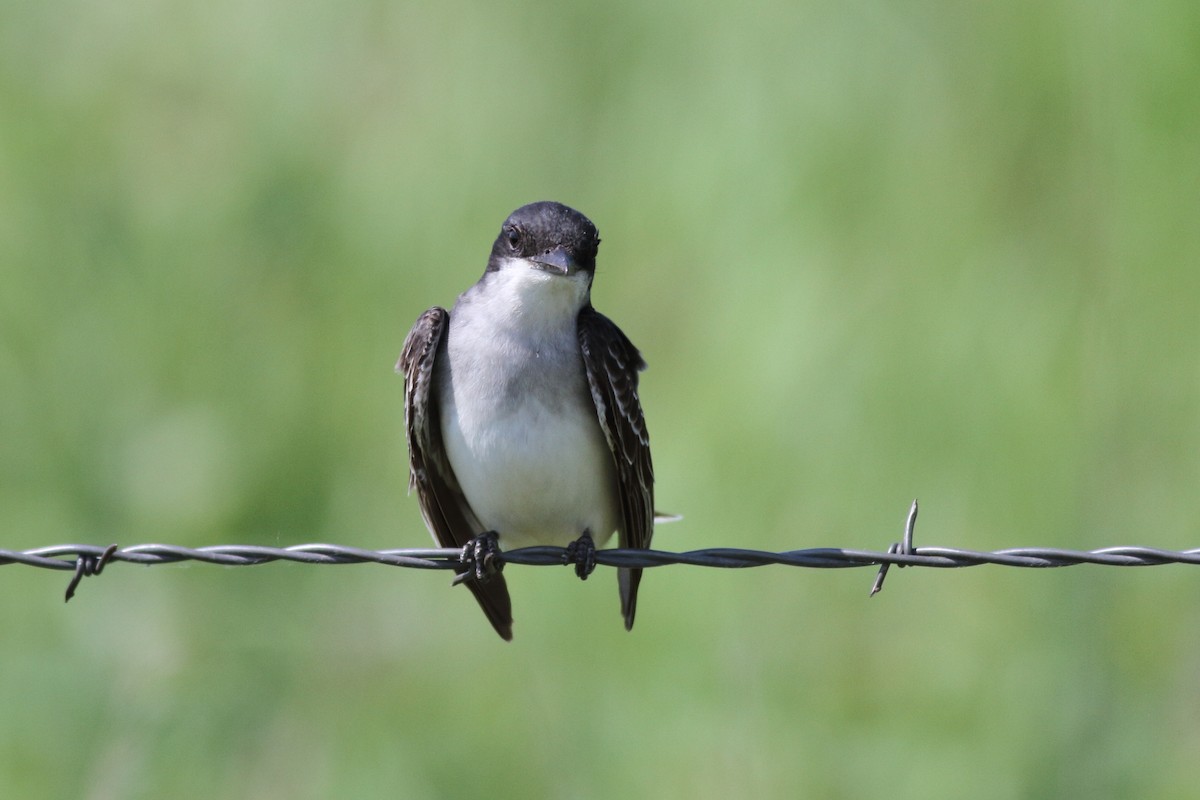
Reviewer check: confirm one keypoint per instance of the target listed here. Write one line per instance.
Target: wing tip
(628, 580)
(497, 606)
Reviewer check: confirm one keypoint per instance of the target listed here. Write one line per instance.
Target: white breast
(518, 421)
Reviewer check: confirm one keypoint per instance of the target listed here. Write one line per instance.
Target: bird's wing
(447, 513)
(612, 364)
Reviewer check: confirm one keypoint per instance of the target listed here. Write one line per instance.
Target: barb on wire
(86, 565)
(85, 560)
(905, 546)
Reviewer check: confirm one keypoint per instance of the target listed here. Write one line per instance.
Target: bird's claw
(480, 558)
(581, 553)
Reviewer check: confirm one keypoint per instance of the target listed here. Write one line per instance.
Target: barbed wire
(87, 560)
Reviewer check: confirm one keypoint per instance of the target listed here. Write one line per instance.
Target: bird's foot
(582, 553)
(480, 559)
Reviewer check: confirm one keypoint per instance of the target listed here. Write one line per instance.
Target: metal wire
(86, 560)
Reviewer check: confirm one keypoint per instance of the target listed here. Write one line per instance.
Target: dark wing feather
(447, 513)
(612, 364)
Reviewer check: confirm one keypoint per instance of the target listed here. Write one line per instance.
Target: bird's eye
(513, 236)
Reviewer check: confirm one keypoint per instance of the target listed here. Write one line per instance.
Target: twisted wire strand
(87, 560)
(63, 556)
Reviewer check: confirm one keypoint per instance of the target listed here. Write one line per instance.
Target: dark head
(549, 236)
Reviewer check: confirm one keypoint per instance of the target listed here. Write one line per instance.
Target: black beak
(558, 261)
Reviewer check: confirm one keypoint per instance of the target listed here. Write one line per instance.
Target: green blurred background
(872, 251)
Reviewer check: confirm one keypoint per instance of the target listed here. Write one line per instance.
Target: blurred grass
(871, 252)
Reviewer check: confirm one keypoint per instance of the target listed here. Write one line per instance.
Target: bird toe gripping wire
(87, 565)
(480, 558)
(581, 553)
(903, 547)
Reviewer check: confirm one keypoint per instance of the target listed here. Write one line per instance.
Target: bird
(522, 416)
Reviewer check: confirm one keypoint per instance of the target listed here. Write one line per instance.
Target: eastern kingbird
(522, 412)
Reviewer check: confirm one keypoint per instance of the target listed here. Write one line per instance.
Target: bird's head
(549, 238)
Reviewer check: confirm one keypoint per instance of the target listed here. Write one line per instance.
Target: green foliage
(871, 252)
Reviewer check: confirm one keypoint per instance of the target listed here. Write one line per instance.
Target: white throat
(520, 295)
